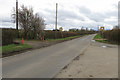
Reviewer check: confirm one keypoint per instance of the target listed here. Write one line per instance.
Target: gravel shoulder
(99, 60)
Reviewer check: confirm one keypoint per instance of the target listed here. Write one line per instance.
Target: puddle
(108, 46)
(93, 40)
(104, 46)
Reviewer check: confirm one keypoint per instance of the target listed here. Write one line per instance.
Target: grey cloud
(48, 15)
(84, 10)
(6, 22)
(112, 22)
(65, 14)
(5, 19)
(7, 25)
(49, 11)
(97, 17)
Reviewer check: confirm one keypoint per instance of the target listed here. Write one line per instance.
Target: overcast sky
(71, 13)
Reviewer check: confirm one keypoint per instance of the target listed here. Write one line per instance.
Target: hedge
(58, 34)
(112, 35)
(8, 35)
(50, 34)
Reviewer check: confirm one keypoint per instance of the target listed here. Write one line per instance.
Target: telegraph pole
(16, 14)
(56, 17)
(56, 22)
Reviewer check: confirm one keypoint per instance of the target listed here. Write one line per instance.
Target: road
(95, 62)
(44, 62)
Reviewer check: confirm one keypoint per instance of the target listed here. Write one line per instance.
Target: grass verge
(14, 47)
(99, 38)
(67, 38)
(103, 41)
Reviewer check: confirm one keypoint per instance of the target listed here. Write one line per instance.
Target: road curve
(44, 62)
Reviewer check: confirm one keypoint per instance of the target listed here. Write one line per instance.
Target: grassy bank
(67, 38)
(14, 47)
(99, 38)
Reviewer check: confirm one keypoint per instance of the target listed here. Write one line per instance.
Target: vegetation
(82, 31)
(58, 34)
(112, 36)
(8, 35)
(103, 41)
(14, 47)
(109, 36)
(32, 25)
(67, 38)
(63, 34)
(98, 36)
(61, 29)
(32, 28)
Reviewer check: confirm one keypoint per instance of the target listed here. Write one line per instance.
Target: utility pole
(16, 14)
(56, 22)
(56, 17)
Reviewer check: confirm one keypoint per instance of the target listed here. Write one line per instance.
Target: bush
(8, 35)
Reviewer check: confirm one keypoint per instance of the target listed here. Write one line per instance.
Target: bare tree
(25, 16)
(31, 23)
(38, 26)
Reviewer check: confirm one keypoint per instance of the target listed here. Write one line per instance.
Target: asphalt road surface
(44, 62)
